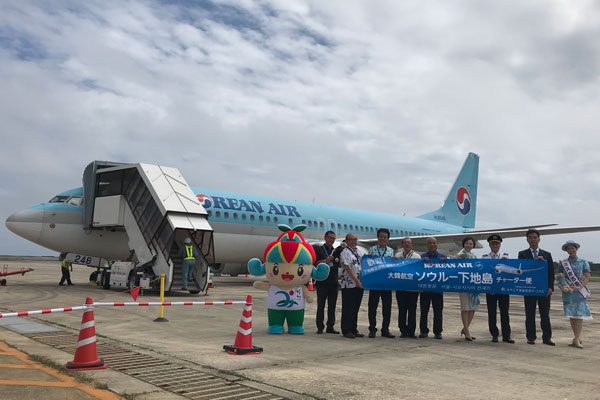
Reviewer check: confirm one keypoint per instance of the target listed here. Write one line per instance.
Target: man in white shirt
(381, 249)
(352, 290)
(407, 301)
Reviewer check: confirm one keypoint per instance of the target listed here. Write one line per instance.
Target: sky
(364, 104)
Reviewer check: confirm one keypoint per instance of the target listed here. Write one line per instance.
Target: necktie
(535, 253)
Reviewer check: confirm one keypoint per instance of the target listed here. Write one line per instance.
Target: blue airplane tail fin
(460, 206)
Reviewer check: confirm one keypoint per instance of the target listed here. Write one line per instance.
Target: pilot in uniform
(495, 301)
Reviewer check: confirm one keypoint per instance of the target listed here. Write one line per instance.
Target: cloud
(385, 97)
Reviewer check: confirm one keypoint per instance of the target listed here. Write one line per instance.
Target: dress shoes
(388, 335)
(439, 336)
(349, 335)
(495, 339)
(576, 343)
(549, 342)
(358, 334)
(319, 331)
(531, 342)
(371, 335)
(509, 340)
(331, 330)
(423, 335)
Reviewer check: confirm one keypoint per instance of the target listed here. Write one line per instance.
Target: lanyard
(355, 254)
(379, 251)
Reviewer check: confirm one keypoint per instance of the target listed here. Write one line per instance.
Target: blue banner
(479, 275)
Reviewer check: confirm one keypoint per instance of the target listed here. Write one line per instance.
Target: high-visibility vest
(64, 264)
(189, 252)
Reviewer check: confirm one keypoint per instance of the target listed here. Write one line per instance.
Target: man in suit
(542, 302)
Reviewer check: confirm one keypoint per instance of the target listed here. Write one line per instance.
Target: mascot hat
(290, 247)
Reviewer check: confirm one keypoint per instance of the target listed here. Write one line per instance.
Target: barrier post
(161, 313)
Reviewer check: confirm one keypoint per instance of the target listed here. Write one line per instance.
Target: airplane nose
(26, 223)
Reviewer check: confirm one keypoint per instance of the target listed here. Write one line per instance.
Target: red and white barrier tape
(44, 311)
(167, 303)
(121, 304)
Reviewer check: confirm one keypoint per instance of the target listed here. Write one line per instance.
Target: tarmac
(22, 378)
(183, 358)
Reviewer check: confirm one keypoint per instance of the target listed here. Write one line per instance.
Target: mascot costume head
(289, 267)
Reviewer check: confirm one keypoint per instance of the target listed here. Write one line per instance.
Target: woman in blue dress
(469, 302)
(574, 276)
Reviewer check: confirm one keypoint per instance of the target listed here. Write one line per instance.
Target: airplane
(243, 224)
(512, 270)
(508, 269)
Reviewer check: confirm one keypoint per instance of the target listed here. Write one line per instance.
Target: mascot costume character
(289, 267)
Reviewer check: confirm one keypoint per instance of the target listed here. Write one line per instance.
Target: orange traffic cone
(243, 339)
(311, 287)
(86, 356)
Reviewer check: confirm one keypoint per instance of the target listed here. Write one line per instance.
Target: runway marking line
(63, 380)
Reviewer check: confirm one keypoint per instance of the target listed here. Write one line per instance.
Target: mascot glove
(321, 272)
(255, 267)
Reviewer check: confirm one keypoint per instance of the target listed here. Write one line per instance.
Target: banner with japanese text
(498, 276)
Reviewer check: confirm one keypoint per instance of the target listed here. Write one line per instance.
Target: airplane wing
(419, 242)
(513, 228)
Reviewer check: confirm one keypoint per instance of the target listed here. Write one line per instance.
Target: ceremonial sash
(568, 268)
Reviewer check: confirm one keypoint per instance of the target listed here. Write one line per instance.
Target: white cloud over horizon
(390, 96)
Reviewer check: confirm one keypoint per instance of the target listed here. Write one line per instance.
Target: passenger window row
(310, 223)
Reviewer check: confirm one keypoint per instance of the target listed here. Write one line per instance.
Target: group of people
(345, 273)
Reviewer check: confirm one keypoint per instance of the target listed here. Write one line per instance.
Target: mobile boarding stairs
(158, 210)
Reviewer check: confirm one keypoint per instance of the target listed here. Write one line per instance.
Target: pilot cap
(187, 240)
(494, 238)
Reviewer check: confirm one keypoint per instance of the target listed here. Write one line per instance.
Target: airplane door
(332, 226)
(321, 223)
(48, 223)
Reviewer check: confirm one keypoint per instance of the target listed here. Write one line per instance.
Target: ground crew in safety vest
(65, 268)
(189, 253)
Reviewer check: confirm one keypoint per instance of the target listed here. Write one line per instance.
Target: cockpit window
(75, 201)
(72, 200)
(59, 199)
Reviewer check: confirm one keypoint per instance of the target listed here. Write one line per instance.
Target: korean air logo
(205, 200)
(463, 200)
(429, 265)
